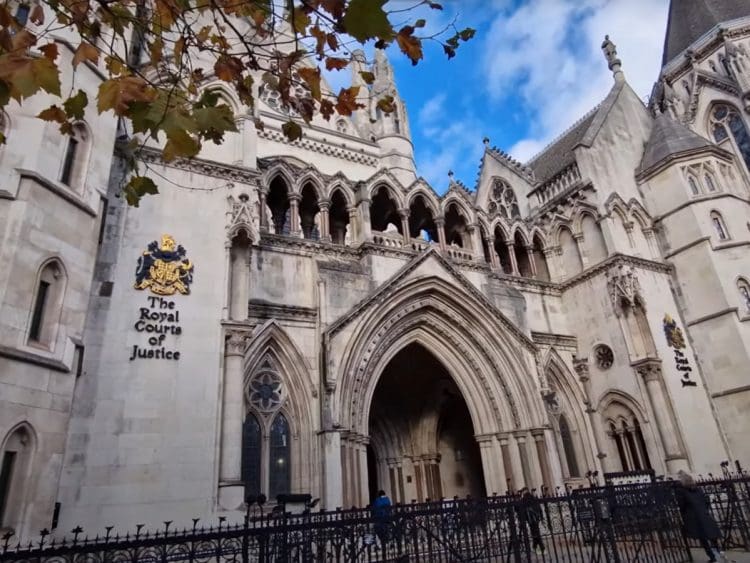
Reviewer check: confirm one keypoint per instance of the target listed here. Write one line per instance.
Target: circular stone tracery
(604, 356)
(265, 391)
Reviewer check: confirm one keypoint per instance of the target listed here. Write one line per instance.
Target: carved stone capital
(649, 369)
(236, 340)
(623, 288)
(581, 365)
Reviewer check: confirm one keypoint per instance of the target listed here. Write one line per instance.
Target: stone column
(523, 457)
(476, 242)
(333, 491)
(294, 229)
(532, 263)
(262, 219)
(364, 233)
(489, 463)
(541, 452)
(325, 226)
(440, 224)
(364, 486)
(650, 370)
(581, 251)
(518, 479)
(581, 366)
(404, 214)
(240, 270)
(512, 254)
(354, 228)
(494, 260)
(231, 488)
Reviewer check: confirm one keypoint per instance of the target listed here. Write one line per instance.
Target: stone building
(312, 317)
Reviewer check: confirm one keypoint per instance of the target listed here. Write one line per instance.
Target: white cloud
(431, 110)
(547, 54)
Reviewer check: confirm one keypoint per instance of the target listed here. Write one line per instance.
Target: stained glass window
(279, 458)
(726, 120)
(251, 444)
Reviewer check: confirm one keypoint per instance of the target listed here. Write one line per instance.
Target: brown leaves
(228, 68)
(410, 46)
(311, 77)
(25, 75)
(37, 15)
(50, 51)
(53, 113)
(366, 19)
(292, 130)
(118, 93)
(85, 52)
(346, 101)
(336, 63)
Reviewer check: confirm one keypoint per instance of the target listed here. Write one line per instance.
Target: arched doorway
(422, 443)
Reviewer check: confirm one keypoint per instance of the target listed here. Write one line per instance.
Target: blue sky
(533, 69)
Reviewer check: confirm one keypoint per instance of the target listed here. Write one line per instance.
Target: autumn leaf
(76, 105)
(37, 15)
(23, 40)
(311, 77)
(118, 93)
(386, 104)
(50, 51)
(137, 187)
(213, 122)
(367, 76)
(411, 46)
(114, 65)
(180, 144)
(336, 63)
(299, 20)
(26, 75)
(327, 109)
(156, 50)
(53, 113)
(292, 130)
(259, 124)
(85, 52)
(334, 7)
(366, 19)
(346, 101)
(228, 68)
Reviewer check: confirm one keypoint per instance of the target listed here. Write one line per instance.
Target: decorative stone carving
(623, 288)
(265, 391)
(242, 216)
(551, 402)
(649, 369)
(236, 341)
(581, 365)
(604, 356)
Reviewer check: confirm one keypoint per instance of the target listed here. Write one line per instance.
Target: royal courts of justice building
(313, 317)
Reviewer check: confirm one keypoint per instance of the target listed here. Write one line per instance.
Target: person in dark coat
(529, 516)
(696, 516)
(381, 513)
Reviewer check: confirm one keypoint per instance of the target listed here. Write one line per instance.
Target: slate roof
(670, 138)
(690, 19)
(559, 154)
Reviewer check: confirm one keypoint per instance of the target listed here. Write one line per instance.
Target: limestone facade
(340, 327)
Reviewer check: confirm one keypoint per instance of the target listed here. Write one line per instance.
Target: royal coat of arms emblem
(164, 269)
(674, 335)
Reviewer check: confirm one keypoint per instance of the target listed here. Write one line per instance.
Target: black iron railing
(639, 522)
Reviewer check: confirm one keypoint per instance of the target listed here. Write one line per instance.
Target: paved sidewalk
(738, 556)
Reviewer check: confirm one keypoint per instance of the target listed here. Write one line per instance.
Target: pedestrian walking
(381, 513)
(530, 515)
(696, 516)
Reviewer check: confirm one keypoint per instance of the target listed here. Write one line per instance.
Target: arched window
(15, 463)
(456, 232)
(593, 240)
(625, 432)
(570, 453)
(542, 271)
(384, 211)
(278, 203)
(279, 459)
(46, 305)
(76, 154)
(693, 183)
(725, 122)
(503, 252)
(571, 257)
(708, 180)
(521, 255)
(309, 213)
(718, 223)
(338, 218)
(251, 455)
(744, 288)
(421, 219)
(503, 200)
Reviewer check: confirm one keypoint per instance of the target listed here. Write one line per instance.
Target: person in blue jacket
(381, 513)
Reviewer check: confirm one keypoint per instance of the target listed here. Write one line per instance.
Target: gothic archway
(421, 434)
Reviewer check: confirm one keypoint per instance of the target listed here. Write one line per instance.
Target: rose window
(265, 391)
(604, 356)
(504, 200)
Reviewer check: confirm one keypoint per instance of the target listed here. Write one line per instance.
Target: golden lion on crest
(164, 268)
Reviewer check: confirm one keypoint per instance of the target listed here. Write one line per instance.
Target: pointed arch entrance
(422, 440)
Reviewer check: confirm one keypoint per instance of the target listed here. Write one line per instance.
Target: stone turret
(391, 130)
(738, 65)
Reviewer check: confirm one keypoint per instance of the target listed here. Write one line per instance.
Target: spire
(689, 20)
(669, 139)
(615, 64)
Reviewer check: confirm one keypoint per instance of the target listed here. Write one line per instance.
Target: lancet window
(624, 429)
(744, 290)
(266, 435)
(726, 122)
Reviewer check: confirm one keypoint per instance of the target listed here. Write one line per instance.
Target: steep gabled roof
(691, 19)
(559, 154)
(670, 138)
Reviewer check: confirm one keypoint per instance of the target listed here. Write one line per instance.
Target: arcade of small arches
(415, 218)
